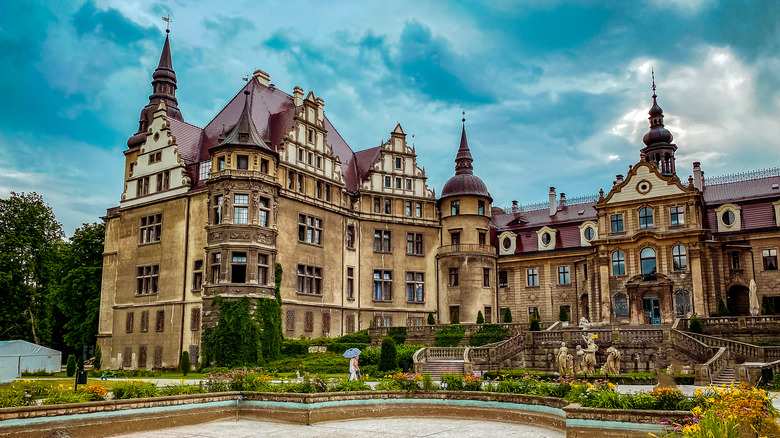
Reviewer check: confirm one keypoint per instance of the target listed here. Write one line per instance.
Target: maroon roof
(464, 182)
(741, 190)
(566, 222)
(363, 161)
(187, 139)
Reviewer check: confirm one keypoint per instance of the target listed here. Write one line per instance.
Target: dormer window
(729, 218)
(546, 239)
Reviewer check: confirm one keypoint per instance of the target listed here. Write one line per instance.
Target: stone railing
(469, 248)
(446, 353)
(489, 357)
(695, 348)
(733, 324)
(739, 349)
(425, 334)
(752, 372)
(633, 336)
(710, 370)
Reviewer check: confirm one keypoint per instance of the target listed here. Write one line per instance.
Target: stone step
(440, 367)
(726, 377)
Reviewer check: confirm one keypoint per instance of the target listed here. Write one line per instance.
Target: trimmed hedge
(398, 334)
(449, 336)
(487, 334)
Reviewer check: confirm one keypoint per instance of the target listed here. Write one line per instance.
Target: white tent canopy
(19, 356)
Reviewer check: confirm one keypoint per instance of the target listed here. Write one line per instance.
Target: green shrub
(58, 396)
(359, 337)
(345, 385)
(452, 382)
(695, 325)
(404, 353)
(534, 326)
(427, 383)
(455, 318)
(487, 334)
(71, 367)
(507, 316)
(684, 379)
(184, 363)
(723, 309)
(327, 363)
(181, 390)
(431, 319)
(341, 347)
(449, 336)
(398, 334)
(388, 358)
(12, 398)
(367, 371)
(98, 358)
(563, 314)
(235, 341)
(295, 347)
(126, 390)
(480, 318)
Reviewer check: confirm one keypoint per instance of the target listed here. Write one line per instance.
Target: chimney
(298, 96)
(320, 109)
(562, 201)
(698, 176)
(553, 206)
(262, 77)
(514, 207)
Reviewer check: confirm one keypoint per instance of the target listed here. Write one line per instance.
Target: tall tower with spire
(163, 89)
(466, 260)
(659, 149)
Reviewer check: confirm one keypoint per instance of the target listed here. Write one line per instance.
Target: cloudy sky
(556, 93)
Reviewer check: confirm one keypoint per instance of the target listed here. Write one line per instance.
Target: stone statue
(578, 367)
(612, 366)
(589, 362)
(584, 323)
(564, 360)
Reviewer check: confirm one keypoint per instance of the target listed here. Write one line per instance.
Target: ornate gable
(644, 182)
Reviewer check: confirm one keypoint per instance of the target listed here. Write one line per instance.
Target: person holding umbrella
(354, 368)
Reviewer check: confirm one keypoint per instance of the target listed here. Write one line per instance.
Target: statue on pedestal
(564, 360)
(612, 366)
(589, 362)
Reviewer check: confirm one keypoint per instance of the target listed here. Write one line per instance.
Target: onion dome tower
(466, 260)
(163, 88)
(659, 149)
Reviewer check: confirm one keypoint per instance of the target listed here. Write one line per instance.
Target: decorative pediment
(643, 182)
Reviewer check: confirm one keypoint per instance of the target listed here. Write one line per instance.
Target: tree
(431, 320)
(29, 235)
(563, 314)
(507, 316)
(387, 357)
(455, 318)
(78, 294)
(70, 370)
(184, 362)
(480, 318)
(723, 310)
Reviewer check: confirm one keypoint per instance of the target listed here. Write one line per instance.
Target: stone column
(603, 311)
(699, 305)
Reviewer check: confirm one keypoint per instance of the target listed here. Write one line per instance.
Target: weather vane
(168, 20)
(464, 117)
(652, 73)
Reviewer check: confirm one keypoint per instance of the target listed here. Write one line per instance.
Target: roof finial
(168, 20)
(464, 118)
(652, 73)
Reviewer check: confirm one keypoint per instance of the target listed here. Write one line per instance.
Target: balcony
(467, 249)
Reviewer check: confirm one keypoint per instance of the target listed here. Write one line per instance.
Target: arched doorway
(651, 307)
(738, 300)
(584, 307)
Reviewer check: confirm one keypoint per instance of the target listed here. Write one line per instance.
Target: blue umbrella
(352, 352)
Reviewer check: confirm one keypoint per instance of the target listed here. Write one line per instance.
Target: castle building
(362, 239)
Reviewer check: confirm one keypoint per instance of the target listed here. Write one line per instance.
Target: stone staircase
(437, 368)
(726, 377)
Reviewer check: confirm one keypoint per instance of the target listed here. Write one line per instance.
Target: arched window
(682, 302)
(646, 218)
(647, 259)
(618, 263)
(546, 239)
(589, 234)
(679, 260)
(620, 305)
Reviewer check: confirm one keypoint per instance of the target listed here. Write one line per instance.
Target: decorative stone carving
(564, 360)
(612, 366)
(264, 238)
(239, 235)
(589, 362)
(216, 236)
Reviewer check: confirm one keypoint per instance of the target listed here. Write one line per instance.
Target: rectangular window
(308, 322)
(327, 192)
(291, 179)
(350, 323)
(350, 283)
(563, 275)
(139, 186)
(264, 165)
(142, 356)
(735, 265)
(399, 183)
(488, 315)
(770, 259)
(159, 322)
(388, 206)
(503, 279)
(418, 209)
(262, 213)
(301, 154)
(311, 136)
(221, 163)
(217, 209)
(455, 238)
(309, 280)
(129, 320)
(617, 223)
(350, 239)
(388, 181)
(318, 190)
(309, 229)
(382, 241)
(408, 184)
(197, 275)
(454, 208)
(242, 162)
(144, 321)
(454, 276)
(532, 274)
(415, 321)
(216, 267)
(310, 161)
(482, 239)
(677, 215)
(290, 320)
(166, 180)
(127, 361)
(155, 157)
(486, 277)
(414, 243)
(326, 323)
(300, 183)
(203, 170)
(415, 287)
(383, 285)
(481, 208)
(408, 208)
(262, 269)
(158, 355)
(195, 319)
(319, 162)
(377, 205)
(238, 268)
(151, 228)
(398, 162)
(146, 279)
(160, 179)
(240, 209)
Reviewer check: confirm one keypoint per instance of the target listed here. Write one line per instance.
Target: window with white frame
(240, 208)
(383, 285)
(262, 213)
(415, 287)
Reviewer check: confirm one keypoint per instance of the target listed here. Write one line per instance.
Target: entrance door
(652, 308)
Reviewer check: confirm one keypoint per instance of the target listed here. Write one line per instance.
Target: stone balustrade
(467, 249)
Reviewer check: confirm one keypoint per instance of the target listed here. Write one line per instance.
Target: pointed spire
(244, 133)
(658, 133)
(463, 159)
